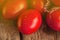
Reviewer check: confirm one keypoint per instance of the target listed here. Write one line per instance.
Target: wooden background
(9, 31)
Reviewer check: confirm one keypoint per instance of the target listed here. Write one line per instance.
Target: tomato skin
(12, 7)
(53, 20)
(29, 21)
(37, 4)
(1, 1)
(56, 2)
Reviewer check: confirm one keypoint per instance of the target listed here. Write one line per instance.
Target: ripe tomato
(37, 4)
(29, 21)
(56, 2)
(12, 7)
(53, 20)
(1, 1)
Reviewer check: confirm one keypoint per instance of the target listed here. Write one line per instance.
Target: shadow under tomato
(45, 28)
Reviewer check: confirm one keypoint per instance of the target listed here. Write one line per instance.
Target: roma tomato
(29, 21)
(53, 20)
(12, 7)
(56, 2)
(37, 4)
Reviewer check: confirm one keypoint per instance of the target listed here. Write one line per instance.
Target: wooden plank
(42, 34)
(8, 30)
(58, 36)
(34, 36)
(47, 33)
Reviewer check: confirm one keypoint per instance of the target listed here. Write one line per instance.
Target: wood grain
(42, 34)
(8, 30)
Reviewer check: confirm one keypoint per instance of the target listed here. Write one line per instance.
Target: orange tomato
(12, 7)
(56, 2)
(1, 1)
(37, 4)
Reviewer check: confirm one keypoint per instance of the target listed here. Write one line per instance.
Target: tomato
(56, 2)
(29, 21)
(12, 7)
(1, 1)
(37, 4)
(53, 20)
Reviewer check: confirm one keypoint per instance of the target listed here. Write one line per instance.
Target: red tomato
(56, 2)
(53, 20)
(12, 7)
(37, 4)
(29, 21)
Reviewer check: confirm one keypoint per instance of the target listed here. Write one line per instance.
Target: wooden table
(9, 31)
